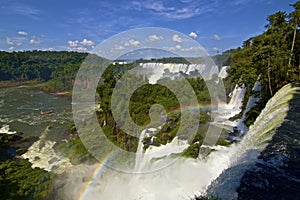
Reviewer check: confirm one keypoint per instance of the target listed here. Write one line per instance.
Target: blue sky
(81, 25)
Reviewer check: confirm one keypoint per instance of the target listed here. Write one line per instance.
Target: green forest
(58, 68)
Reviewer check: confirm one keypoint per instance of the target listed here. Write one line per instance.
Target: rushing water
(272, 120)
(20, 108)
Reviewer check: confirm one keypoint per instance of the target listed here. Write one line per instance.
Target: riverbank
(8, 84)
(35, 83)
(66, 94)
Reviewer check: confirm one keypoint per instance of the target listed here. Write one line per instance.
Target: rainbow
(193, 107)
(94, 173)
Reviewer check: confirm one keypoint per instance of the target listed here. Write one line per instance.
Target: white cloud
(168, 9)
(239, 2)
(157, 6)
(155, 38)
(13, 42)
(9, 41)
(193, 49)
(216, 49)
(78, 48)
(47, 49)
(73, 43)
(81, 49)
(119, 48)
(193, 35)
(11, 48)
(22, 33)
(177, 38)
(132, 42)
(183, 13)
(34, 41)
(177, 46)
(25, 10)
(216, 37)
(86, 42)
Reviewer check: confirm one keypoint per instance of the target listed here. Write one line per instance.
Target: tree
(294, 20)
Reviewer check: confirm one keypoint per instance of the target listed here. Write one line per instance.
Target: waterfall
(227, 110)
(244, 155)
(142, 159)
(223, 72)
(156, 71)
(270, 118)
(234, 106)
(139, 151)
(250, 104)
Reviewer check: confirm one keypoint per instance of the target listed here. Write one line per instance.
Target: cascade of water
(270, 118)
(250, 104)
(156, 71)
(244, 155)
(228, 110)
(237, 97)
(139, 151)
(223, 72)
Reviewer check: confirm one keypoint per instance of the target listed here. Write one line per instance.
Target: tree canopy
(274, 55)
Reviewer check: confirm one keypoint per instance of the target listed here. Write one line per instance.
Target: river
(20, 108)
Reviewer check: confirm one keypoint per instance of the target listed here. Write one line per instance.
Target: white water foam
(182, 180)
(6, 130)
(42, 155)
